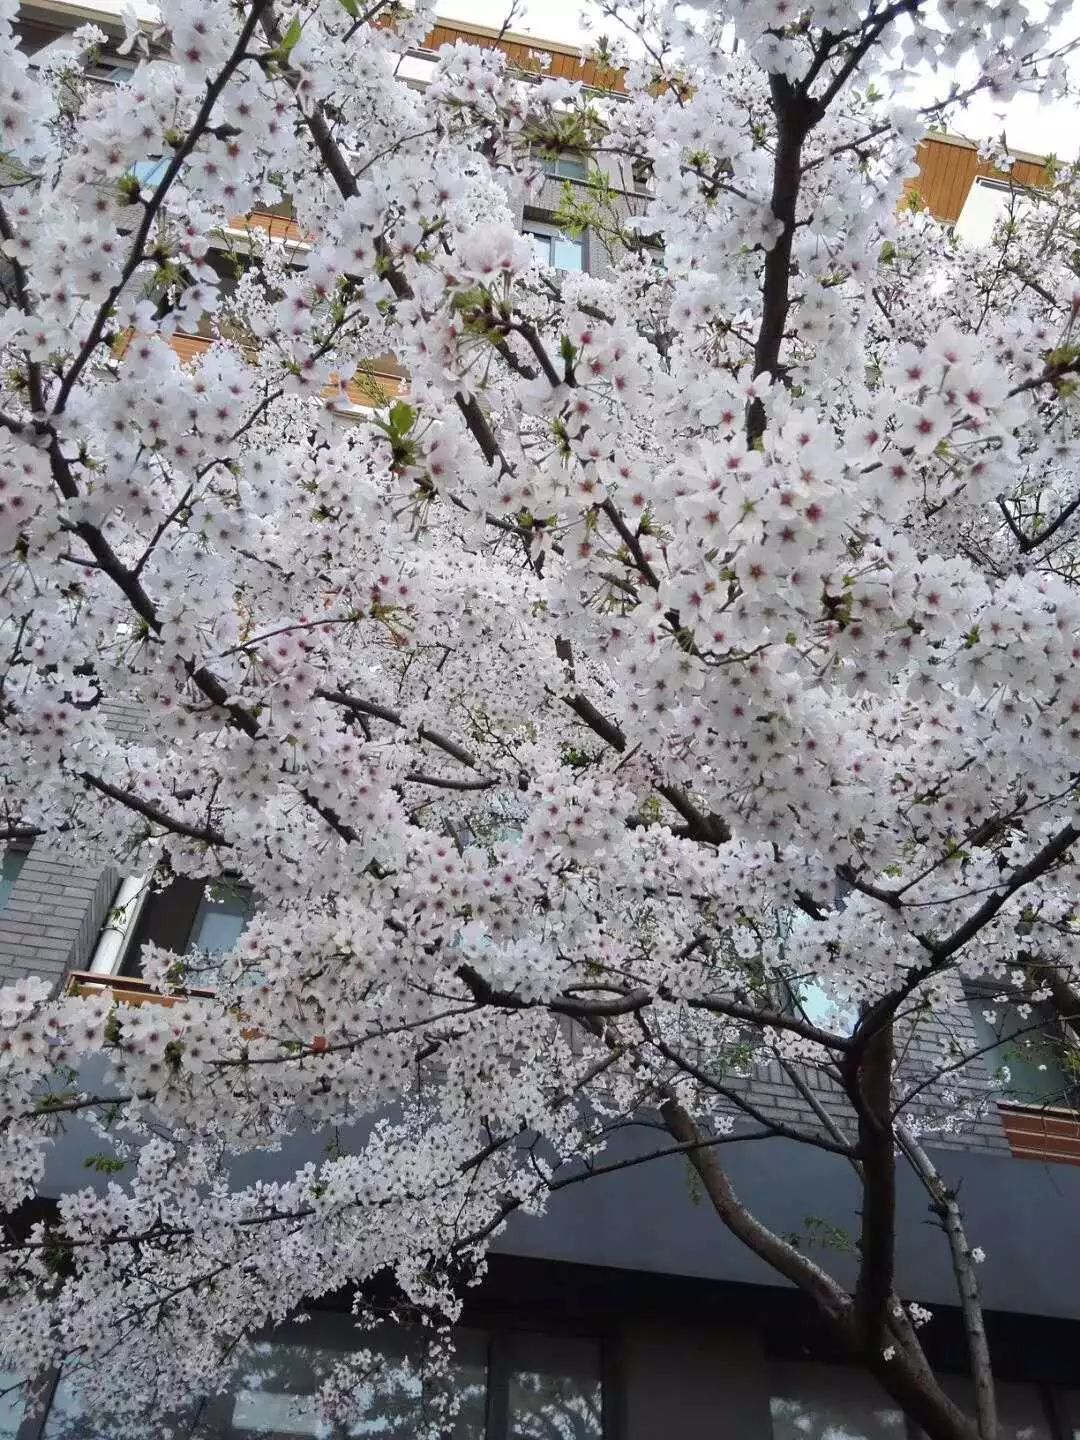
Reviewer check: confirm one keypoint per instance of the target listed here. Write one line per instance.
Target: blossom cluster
(668, 604)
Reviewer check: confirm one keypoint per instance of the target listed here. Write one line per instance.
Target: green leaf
(289, 39)
(402, 417)
(351, 8)
(104, 1164)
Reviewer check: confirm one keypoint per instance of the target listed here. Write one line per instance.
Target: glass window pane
(274, 1396)
(220, 919)
(469, 1383)
(10, 865)
(148, 172)
(67, 1421)
(117, 71)
(567, 167)
(567, 254)
(827, 1402)
(555, 1389)
(814, 1001)
(12, 1406)
(1031, 1056)
(1021, 1413)
(1069, 1405)
(541, 246)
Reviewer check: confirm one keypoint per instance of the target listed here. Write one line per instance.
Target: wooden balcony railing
(128, 989)
(131, 990)
(1041, 1132)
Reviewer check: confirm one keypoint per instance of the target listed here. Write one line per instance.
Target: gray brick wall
(56, 909)
(544, 197)
(955, 1111)
(62, 896)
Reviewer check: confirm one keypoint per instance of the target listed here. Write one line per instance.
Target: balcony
(1049, 1133)
(128, 989)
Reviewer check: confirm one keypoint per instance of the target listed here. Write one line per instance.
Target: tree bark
(944, 1203)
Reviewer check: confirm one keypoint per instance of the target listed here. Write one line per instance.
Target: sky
(1027, 122)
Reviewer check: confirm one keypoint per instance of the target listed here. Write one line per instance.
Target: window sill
(128, 989)
(1041, 1132)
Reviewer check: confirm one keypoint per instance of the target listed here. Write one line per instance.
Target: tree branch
(944, 1204)
(780, 1254)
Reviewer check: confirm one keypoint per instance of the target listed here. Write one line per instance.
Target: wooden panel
(947, 169)
(278, 227)
(128, 989)
(527, 54)
(1042, 1134)
(189, 346)
(389, 384)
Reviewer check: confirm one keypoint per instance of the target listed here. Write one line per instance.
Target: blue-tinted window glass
(828, 1402)
(541, 246)
(566, 167)
(567, 254)
(1021, 1414)
(807, 997)
(1024, 1051)
(814, 1002)
(558, 250)
(274, 1395)
(68, 1420)
(10, 865)
(12, 1405)
(220, 919)
(149, 173)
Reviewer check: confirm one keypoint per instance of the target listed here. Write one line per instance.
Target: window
(112, 69)
(198, 918)
(814, 1003)
(274, 1396)
(509, 1386)
(66, 1421)
(827, 1402)
(220, 919)
(10, 865)
(1068, 1405)
(1021, 1410)
(565, 167)
(96, 65)
(12, 1405)
(552, 247)
(1022, 1047)
(808, 998)
(149, 173)
(555, 1388)
(988, 202)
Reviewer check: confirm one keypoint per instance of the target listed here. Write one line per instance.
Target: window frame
(981, 995)
(137, 920)
(1053, 1401)
(327, 1329)
(789, 1000)
(537, 228)
(21, 850)
(549, 162)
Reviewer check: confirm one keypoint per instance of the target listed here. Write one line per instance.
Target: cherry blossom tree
(680, 679)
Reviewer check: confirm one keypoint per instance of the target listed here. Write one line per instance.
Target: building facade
(627, 1311)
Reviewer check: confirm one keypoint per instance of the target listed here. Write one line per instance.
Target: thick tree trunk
(905, 1375)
